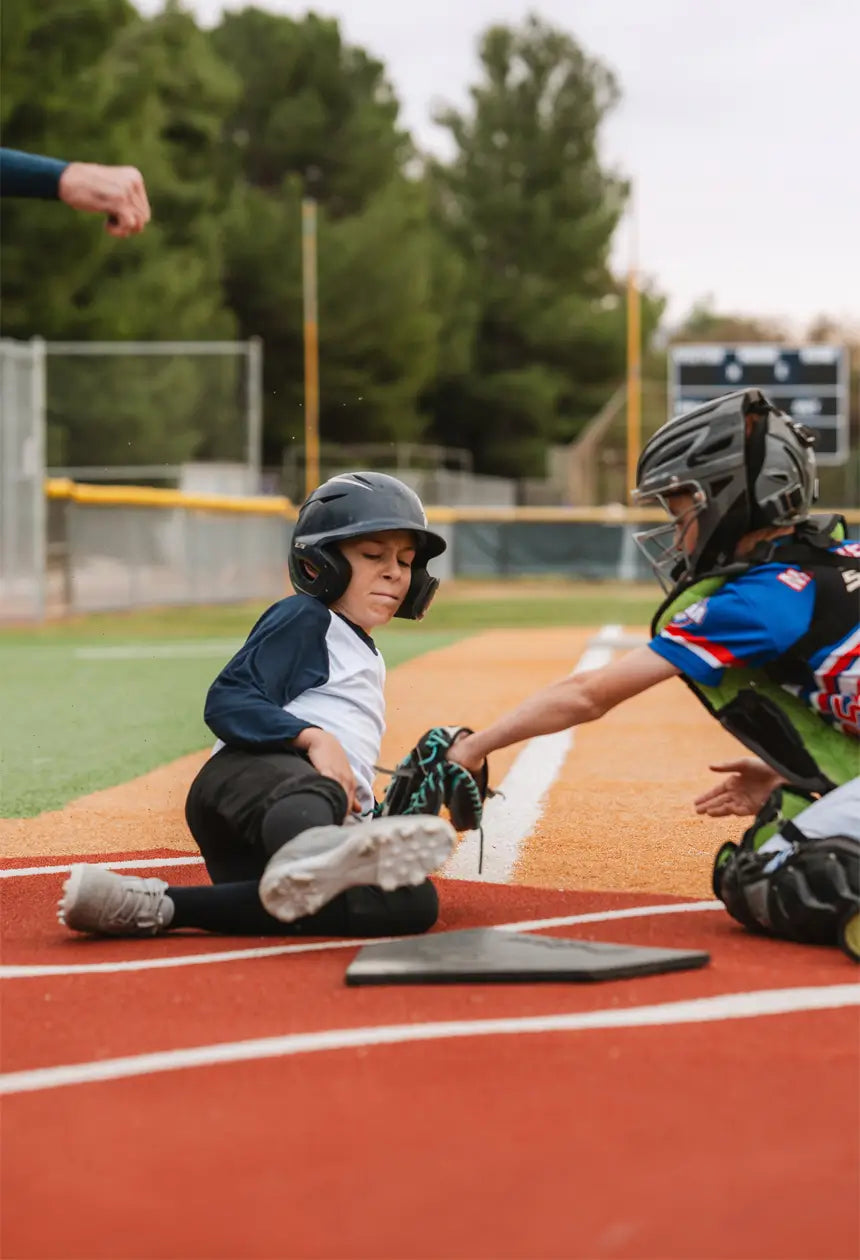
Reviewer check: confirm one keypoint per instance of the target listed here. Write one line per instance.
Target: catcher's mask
(746, 465)
(350, 506)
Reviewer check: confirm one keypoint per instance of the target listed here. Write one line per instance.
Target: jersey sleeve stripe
(713, 654)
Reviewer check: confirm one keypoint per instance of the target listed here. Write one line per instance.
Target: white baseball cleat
(388, 853)
(107, 904)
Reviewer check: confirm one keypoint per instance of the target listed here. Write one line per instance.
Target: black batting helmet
(351, 505)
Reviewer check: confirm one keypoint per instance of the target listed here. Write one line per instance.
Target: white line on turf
(696, 1011)
(199, 648)
(510, 817)
(136, 864)
(30, 971)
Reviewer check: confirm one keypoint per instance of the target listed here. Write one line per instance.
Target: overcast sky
(738, 126)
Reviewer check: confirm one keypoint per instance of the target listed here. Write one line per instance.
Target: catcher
(283, 810)
(761, 622)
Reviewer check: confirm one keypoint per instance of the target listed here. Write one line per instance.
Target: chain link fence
(187, 414)
(139, 411)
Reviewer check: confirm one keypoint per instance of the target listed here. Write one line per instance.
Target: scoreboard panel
(810, 383)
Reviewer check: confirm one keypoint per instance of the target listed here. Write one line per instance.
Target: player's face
(381, 572)
(683, 507)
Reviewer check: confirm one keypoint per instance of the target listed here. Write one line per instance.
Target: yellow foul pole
(311, 337)
(634, 366)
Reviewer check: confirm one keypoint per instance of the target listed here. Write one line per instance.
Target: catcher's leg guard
(849, 934)
(808, 892)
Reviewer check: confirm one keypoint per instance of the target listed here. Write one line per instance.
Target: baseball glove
(425, 780)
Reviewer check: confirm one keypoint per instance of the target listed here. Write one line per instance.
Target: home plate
(487, 956)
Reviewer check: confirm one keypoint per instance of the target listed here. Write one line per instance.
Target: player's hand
(743, 793)
(463, 752)
(117, 191)
(326, 753)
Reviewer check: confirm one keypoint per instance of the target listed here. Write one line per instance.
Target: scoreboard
(810, 383)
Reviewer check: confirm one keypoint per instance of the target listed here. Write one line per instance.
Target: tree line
(466, 301)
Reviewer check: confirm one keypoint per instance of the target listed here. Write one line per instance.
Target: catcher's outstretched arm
(571, 701)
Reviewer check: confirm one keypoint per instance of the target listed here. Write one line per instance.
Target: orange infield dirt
(674, 1120)
(618, 817)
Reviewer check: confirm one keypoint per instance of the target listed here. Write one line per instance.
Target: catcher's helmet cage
(747, 465)
(349, 506)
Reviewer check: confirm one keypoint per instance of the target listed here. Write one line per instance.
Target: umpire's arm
(571, 701)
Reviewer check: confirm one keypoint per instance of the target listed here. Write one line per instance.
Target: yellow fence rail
(276, 505)
(149, 496)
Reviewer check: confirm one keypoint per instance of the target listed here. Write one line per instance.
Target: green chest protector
(771, 721)
(809, 892)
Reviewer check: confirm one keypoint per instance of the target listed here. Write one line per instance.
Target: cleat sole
(390, 852)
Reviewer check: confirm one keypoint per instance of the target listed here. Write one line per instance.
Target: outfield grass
(462, 606)
(76, 720)
(97, 700)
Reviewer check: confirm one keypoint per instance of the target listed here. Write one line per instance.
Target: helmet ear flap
(783, 484)
(418, 598)
(319, 570)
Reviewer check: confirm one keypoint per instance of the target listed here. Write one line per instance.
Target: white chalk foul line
(133, 864)
(35, 971)
(511, 817)
(697, 1011)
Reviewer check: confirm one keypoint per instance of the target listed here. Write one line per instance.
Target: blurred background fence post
(22, 468)
(254, 388)
(311, 344)
(634, 361)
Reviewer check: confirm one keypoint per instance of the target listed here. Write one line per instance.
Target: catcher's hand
(425, 780)
(743, 793)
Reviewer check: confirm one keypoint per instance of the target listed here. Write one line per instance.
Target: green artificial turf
(97, 700)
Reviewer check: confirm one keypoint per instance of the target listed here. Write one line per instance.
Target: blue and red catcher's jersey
(756, 619)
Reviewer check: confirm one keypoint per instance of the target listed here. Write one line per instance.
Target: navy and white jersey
(754, 620)
(303, 665)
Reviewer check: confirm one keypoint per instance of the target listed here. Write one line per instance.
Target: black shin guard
(807, 892)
